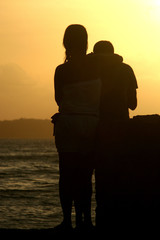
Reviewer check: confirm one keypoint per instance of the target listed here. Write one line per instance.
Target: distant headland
(40, 129)
(26, 129)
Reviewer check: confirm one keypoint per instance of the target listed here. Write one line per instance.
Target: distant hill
(26, 128)
(145, 126)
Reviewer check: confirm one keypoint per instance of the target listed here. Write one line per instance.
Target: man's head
(103, 47)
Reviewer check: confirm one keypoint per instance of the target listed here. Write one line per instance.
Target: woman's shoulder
(62, 69)
(61, 66)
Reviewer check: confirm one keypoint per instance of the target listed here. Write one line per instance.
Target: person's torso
(80, 87)
(114, 96)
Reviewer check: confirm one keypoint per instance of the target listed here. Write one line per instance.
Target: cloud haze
(23, 96)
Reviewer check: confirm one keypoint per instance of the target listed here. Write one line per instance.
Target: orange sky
(31, 33)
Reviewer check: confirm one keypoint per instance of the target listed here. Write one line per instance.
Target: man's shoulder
(129, 74)
(126, 66)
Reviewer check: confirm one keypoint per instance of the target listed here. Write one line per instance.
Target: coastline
(44, 233)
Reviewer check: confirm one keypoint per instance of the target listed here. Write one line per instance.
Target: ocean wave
(29, 196)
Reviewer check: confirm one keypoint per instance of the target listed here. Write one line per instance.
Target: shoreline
(43, 233)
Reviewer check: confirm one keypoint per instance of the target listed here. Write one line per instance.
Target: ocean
(29, 197)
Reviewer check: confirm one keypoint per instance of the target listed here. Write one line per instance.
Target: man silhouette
(119, 87)
(112, 165)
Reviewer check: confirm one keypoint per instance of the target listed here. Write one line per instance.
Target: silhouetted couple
(93, 93)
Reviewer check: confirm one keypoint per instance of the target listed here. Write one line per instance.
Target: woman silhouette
(77, 93)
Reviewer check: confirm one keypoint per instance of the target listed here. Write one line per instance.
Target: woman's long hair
(75, 40)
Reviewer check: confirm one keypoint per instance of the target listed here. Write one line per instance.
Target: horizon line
(25, 118)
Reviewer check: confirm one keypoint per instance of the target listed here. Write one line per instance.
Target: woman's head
(75, 40)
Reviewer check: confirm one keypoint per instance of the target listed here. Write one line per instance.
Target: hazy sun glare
(31, 33)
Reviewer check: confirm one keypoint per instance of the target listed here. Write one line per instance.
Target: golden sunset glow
(31, 33)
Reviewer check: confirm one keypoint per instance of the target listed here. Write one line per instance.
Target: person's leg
(87, 171)
(106, 190)
(77, 188)
(65, 185)
(75, 183)
(103, 184)
(83, 191)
